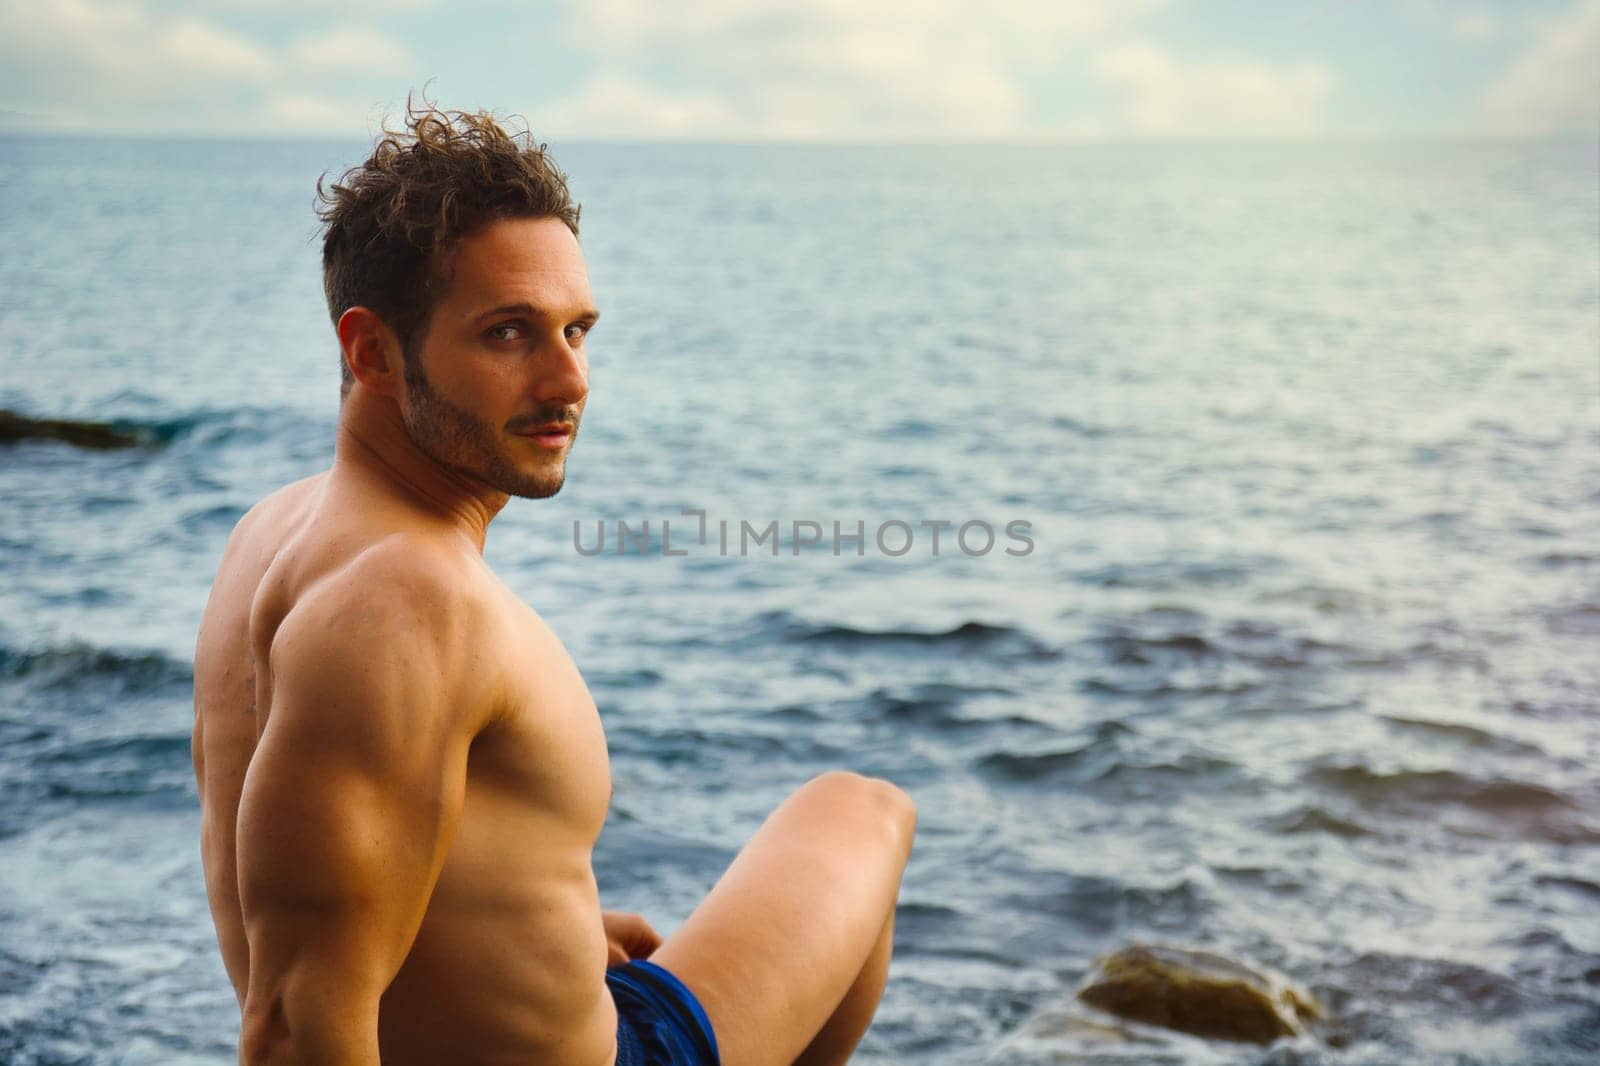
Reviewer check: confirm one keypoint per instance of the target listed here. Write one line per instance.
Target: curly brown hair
(393, 223)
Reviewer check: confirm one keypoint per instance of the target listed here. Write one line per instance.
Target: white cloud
(302, 112)
(376, 7)
(630, 24)
(1164, 96)
(351, 50)
(200, 50)
(1553, 85)
(792, 69)
(1469, 25)
(120, 65)
(824, 69)
(753, 69)
(615, 106)
(90, 61)
(1474, 25)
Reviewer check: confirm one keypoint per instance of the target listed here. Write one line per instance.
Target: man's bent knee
(858, 792)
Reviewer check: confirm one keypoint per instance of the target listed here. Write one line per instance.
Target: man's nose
(561, 373)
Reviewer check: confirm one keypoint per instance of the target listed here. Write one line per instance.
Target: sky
(811, 70)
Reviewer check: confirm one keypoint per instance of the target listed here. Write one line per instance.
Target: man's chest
(545, 756)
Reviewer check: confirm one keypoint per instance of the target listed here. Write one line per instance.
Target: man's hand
(628, 937)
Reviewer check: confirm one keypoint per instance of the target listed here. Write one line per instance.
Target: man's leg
(844, 1028)
(789, 952)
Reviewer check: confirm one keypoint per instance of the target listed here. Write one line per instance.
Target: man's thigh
(780, 939)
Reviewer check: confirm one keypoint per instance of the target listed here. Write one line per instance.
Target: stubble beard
(463, 443)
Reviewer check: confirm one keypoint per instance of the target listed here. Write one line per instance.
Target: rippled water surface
(1302, 668)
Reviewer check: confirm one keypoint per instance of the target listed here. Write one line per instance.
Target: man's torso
(508, 964)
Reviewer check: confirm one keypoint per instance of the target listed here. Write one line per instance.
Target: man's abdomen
(509, 965)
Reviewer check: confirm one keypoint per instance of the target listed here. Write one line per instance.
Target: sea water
(1299, 665)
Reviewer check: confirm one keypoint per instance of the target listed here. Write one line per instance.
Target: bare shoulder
(271, 508)
(249, 551)
(402, 623)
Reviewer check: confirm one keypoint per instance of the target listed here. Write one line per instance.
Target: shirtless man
(401, 772)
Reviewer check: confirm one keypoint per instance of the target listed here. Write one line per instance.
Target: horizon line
(1011, 141)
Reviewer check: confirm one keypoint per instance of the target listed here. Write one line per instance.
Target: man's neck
(372, 445)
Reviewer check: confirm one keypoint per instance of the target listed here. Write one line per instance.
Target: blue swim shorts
(659, 1022)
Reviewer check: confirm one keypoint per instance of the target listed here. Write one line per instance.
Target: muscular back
(402, 777)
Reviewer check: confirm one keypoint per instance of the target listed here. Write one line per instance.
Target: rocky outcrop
(1198, 992)
(97, 435)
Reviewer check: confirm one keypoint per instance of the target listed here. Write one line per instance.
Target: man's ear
(371, 351)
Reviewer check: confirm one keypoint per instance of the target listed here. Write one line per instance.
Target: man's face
(503, 359)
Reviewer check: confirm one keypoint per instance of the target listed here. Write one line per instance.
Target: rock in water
(1198, 992)
(15, 427)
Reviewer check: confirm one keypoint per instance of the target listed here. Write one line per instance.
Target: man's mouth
(551, 434)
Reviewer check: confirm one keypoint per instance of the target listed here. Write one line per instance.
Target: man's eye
(577, 331)
(506, 332)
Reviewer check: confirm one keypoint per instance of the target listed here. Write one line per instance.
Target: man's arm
(350, 804)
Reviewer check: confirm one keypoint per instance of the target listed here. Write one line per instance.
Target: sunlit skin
(402, 772)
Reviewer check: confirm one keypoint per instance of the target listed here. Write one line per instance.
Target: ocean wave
(1442, 648)
(45, 756)
(1465, 735)
(1265, 644)
(38, 791)
(1560, 559)
(1390, 977)
(1433, 787)
(696, 747)
(1105, 759)
(219, 518)
(1314, 819)
(937, 705)
(1029, 767)
(1145, 687)
(1131, 649)
(1574, 619)
(1098, 905)
(1169, 636)
(79, 665)
(1165, 640)
(967, 636)
(167, 792)
(219, 424)
(623, 679)
(1323, 599)
(794, 714)
(927, 923)
(1087, 429)
(133, 751)
(1169, 575)
(1508, 806)
(1578, 885)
